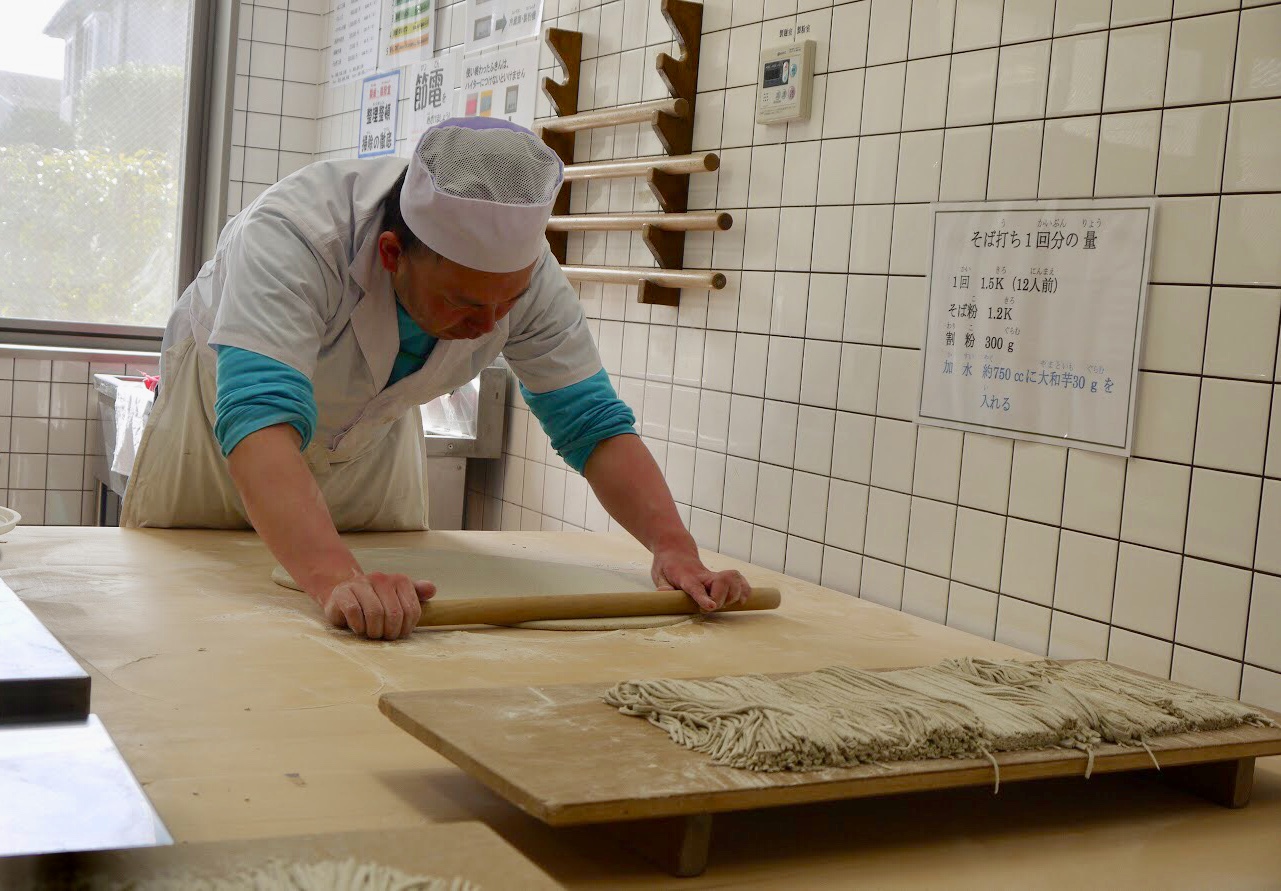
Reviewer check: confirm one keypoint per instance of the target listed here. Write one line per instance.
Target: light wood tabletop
(244, 716)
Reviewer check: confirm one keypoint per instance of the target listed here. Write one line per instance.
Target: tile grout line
(889, 265)
(872, 444)
(1258, 513)
(1187, 514)
(1125, 467)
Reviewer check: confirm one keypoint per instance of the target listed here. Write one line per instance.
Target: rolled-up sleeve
(256, 391)
(561, 376)
(579, 417)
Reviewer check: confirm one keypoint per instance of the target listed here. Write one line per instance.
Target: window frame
(202, 185)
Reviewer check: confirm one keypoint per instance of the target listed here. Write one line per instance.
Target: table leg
(679, 845)
(1226, 783)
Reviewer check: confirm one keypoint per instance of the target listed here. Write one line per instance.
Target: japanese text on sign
(353, 50)
(1034, 317)
(501, 83)
(433, 96)
(493, 22)
(498, 71)
(378, 105)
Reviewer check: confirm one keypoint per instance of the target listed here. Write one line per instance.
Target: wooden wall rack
(672, 120)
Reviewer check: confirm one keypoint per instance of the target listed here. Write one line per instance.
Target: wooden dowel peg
(613, 117)
(700, 162)
(666, 278)
(696, 221)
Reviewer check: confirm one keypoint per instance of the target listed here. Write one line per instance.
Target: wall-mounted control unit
(785, 84)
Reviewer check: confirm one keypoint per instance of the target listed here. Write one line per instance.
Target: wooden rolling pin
(529, 608)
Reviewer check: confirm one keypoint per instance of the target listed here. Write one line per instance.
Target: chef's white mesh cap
(479, 192)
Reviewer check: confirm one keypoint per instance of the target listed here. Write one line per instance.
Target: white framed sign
(491, 22)
(379, 102)
(1034, 319)
(501, 83)
(408, 28)
(353, 46)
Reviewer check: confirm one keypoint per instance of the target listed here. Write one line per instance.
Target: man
(344, 297)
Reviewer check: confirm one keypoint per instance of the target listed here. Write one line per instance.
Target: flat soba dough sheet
(466, 574)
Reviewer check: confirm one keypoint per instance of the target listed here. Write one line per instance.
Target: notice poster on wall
(501, 83)
(353, 50)
(491, 22)
(1034, 319)
(432, 100)
(407, 31)
(378, 105)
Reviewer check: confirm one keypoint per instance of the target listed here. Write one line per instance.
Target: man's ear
(389, 250)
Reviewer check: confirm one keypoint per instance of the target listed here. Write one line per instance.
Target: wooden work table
(243, 715)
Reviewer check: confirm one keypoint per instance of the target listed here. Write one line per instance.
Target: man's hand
(680, 568)
(378, 605)
(286, 506)
(631, 488)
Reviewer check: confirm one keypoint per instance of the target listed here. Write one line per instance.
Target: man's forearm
(631, 488)
(287, 509)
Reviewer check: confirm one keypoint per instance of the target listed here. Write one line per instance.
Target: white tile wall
(1165, 562)
(51, 441)
(274, 125)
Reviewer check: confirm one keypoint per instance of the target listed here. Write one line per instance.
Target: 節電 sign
(432, 102)
(1034, 318)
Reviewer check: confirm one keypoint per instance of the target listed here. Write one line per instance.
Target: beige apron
(180, 478)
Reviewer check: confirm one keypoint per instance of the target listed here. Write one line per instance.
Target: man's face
(449, 301)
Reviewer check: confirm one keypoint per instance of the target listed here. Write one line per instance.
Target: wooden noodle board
(471, 851)
(564, 756)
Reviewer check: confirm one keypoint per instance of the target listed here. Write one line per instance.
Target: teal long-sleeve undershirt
(255, 391)
(579, 417)
(415, 346)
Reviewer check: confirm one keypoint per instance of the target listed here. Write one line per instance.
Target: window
(93, 128)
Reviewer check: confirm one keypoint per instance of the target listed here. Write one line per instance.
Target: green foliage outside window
(87, 233)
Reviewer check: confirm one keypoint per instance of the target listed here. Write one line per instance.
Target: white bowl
(9, 519)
